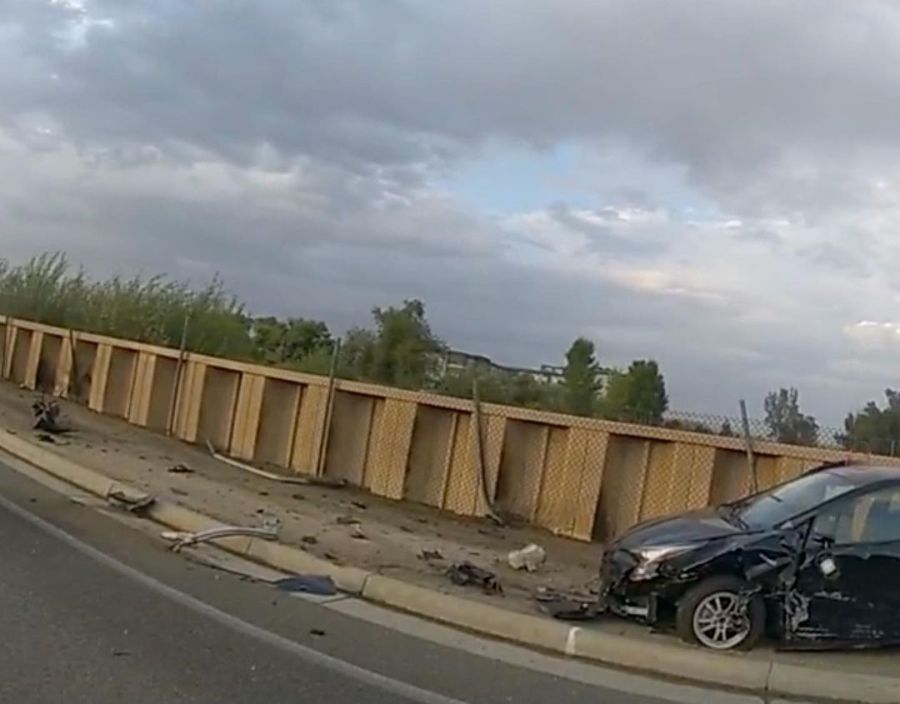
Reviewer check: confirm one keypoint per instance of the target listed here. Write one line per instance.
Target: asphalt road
(92, 611)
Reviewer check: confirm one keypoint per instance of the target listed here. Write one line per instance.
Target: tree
(638, 395)
(290, 341)
(785, 420)
(874, 429)
(405, 352)
(580, 378)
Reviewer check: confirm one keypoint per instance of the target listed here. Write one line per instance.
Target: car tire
(698, 606)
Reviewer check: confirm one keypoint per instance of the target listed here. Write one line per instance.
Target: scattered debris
(120, 653)
(568, 606)
(360, 505)
(530, 558)
(430, 555)
(309, 540)
(178, 492)
(269, 531)
(331, 556)
(44, 437)
(298, 496)
(347, 521)
(466, 574)
(318, 584)
(318, 632)
(133, 503)
(180, 468)
(358, 533)
(307, 481)
(263, 493)
(46, 416)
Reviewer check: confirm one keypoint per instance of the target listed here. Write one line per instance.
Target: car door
(847, 588)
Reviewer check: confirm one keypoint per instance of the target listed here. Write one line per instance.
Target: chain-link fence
(802, 430)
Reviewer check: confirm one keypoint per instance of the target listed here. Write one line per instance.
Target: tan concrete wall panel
(390, 447)
(245, 425)
(21, 352)
(621, 495)
(217, 406)
(348, 440)
(48, 365)
(522, 468)
(119, 382)
(277, 421)
(429, 457)
(162, 393)
(310, 424)
(562, 464)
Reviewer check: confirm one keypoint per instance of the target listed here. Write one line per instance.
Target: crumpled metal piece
(568, 606)
(268, 531)
(130, 501)
(465, 573)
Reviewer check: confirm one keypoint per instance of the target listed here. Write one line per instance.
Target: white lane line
(367, 677)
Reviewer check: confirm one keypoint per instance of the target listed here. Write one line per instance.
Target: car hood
(693, 527)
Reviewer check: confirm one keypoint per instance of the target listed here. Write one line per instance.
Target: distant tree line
(398, 349)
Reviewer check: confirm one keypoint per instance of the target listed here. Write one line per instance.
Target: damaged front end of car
(646, 583)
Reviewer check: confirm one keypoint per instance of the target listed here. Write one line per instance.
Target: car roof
(862, 474)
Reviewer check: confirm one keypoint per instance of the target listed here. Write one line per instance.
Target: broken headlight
(649, 559)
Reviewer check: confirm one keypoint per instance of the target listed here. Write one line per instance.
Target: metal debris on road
(318, 584)
(347, 521)
(466, 574)
(529, 558)
(430, 555)
(180, 468)
(567, 606)
(131, 502)
(360, 505)
(309, 540)
(358, 533)
(46, 416)
(269, 531)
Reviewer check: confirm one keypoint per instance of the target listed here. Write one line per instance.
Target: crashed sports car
(813, 563)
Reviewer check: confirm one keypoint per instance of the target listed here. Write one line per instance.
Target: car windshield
(784, 502)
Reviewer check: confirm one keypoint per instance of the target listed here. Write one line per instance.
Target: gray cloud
(300, 147)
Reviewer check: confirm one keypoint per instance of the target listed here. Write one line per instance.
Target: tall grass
(50, 290)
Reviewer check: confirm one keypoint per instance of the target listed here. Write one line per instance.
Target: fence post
(329, 408)
(748, 440)
(179, 373)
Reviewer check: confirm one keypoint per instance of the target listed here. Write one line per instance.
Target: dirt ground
(318, 519)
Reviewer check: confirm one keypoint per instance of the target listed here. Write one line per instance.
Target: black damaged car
(814, 562)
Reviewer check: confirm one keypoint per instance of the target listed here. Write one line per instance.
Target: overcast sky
(712, 184)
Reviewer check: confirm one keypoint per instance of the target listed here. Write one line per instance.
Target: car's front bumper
(622, 596)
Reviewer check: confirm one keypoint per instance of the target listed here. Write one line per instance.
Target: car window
(793, 498)
(867, 518)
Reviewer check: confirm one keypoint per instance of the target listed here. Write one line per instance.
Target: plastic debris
(466, 574)
(530, 558)
(318, 584)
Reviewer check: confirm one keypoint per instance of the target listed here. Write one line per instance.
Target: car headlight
(649, 559)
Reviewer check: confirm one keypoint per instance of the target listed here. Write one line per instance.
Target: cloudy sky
(712, 184)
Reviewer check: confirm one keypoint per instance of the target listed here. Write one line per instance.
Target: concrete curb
(733, 671)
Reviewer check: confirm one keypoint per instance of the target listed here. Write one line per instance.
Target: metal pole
(6, 330)
(179, 372)
(479, 454)
(329, 407)
(751, 459)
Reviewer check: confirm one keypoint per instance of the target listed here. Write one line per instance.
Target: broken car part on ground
(814, 563)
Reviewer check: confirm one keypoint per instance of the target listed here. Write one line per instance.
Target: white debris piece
(530, 558)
